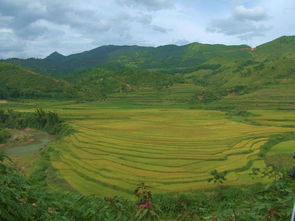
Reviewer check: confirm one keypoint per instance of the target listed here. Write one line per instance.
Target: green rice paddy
(172, 148)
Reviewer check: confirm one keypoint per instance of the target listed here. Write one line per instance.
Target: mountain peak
(55, 56)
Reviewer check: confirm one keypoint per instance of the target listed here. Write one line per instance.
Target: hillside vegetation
(23, 199)
(170, 58)
(195, 73)
(17, 82)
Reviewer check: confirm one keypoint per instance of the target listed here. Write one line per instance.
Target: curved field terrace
(170, 149)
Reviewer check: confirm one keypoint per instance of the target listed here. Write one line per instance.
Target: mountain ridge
(17, 82)
(55, 56)
(202, 70)
(136, 56)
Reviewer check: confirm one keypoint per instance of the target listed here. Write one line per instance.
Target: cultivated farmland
(170, 149)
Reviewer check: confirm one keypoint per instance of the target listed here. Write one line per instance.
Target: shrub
(4, 135)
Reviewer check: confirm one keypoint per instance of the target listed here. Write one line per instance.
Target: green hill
(169, 58)
(55, 56)
(278, 48)
(18, 82)
(204, 72)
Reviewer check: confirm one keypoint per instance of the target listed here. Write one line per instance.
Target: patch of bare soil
(25, 136)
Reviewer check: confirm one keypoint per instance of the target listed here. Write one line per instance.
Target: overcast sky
(36, 28)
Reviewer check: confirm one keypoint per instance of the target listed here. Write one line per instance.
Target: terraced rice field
(172, 150)
(281, 97)
(282, 154)
(178, 93)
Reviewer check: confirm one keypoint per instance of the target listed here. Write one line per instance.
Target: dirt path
(26, 142)
(3, 102)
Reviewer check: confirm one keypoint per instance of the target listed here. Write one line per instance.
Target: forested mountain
(208, 72)
(169, 58)
(278, 48)
(18, 82)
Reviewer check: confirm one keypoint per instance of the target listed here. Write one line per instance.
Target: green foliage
(278, 48)
(4, 135)
(258, 202)
(98, 83)
(271, 172)
(217, 177)
(21, 199)
(104, 72)
(16, 82)
(275, 140)
(169, 58)
(145, 209)
(204, 96)
(40, 119)
(237, 112)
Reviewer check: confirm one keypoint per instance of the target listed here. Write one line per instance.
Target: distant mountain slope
(279, 97)
(278, 48)
(55, 56)
(248, 76)
(18, 82)
(170, 58)
(206, 73)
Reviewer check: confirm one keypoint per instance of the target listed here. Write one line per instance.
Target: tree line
(40, 119)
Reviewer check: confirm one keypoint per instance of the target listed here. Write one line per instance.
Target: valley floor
(170, 148)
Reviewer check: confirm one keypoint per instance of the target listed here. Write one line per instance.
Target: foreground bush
(4, 135)
(22, 199)
(40, 119)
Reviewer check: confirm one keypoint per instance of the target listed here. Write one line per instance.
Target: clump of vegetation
(217, 177)
(4, 135)
(22, 199)
(204, 96)
(100, 83)
(40, 119)
(145, 209)
(276, 139)
(17, 82)
(241, 113)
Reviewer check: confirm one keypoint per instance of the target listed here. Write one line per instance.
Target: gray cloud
(243, 23)
(149, 4)
(255, 14)
(235, 27)
(28, 18)
(159, 29)
(10, 44)
(38, 27)
(181, 42)
(46, 21)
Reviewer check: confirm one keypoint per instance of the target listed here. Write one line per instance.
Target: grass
(170, 147)
(284, 147)
(278, 97)
(282, 154)
(280, 118)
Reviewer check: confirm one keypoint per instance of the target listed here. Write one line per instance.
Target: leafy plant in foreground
(22, 200)
(145, 209)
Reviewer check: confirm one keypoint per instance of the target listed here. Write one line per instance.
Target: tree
(217, 177)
